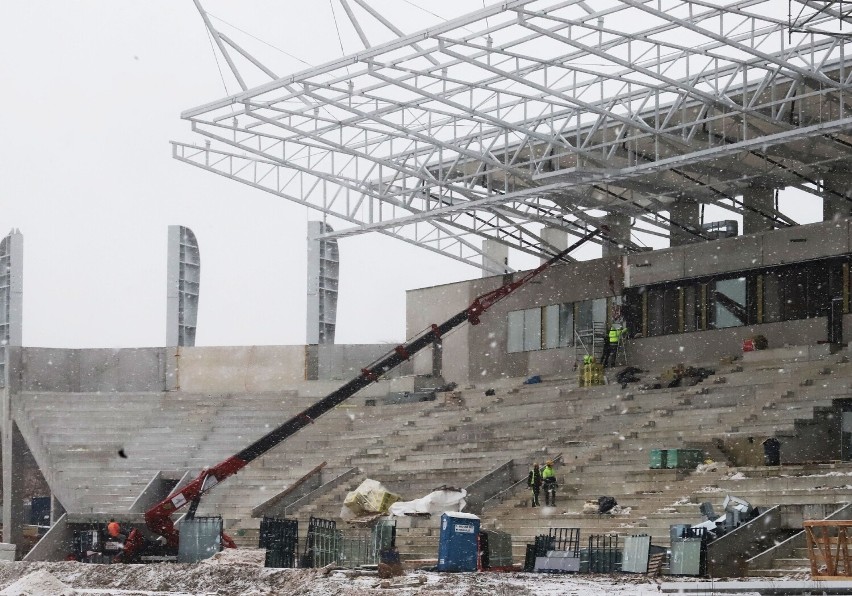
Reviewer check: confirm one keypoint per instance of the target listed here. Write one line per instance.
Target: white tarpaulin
(435, 502)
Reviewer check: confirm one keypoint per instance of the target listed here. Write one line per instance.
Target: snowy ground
(71, 579)
(240, 573)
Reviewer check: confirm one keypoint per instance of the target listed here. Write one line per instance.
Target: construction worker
(548, 477)
(610, 347)
(534, 482)
(114, 530)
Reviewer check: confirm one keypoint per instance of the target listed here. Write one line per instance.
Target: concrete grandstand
(107, 429)
(499, 148)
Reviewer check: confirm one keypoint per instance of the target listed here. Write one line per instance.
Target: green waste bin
(684, 459)
(658, 459)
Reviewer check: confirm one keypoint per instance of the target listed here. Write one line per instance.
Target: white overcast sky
(92, 93)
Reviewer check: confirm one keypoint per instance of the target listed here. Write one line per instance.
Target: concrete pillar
(16, 290)
(183, 284)
(833, 206)
(323, 282)
(687, 213)
(14, 447)
(494, 254)
(555, 237)
(762, 199)
(619, 233)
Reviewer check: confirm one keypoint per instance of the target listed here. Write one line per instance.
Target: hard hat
(549, 462)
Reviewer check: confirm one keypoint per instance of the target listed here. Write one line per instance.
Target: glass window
(584, 316)
(558, 326)
(819, 289)
(524, 332)
(532, 329)
(599, 310)
(590, 312)
(729, 303)
(799, 292)
(632, 310)
(795, 283)
(551, 326)
(566, 324)
(691, 309)
(516, 331)
(663, 307)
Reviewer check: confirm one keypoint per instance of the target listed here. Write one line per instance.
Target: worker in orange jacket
(114, 530)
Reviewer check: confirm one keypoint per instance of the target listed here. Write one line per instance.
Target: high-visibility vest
(615, 334)
(587, 359)
(547, 472)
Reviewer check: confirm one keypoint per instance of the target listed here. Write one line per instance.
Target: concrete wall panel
(572, 282)
(121, 370)
(722, 256)
(427, 306)
(709, 346)
(48, 369)
(558, 361)
(240, 369)
(800, 243)
(108, 370)
(477, 353)
(654, 267)
(345, 361)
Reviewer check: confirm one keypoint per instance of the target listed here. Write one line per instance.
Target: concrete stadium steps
(651, 501)
(800, 406)
(183, 435)
(604, 433)
(366, 435)
(796, 564)
(350, 435)
(765, 486)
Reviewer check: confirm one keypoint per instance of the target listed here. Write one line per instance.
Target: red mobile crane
(159, 517)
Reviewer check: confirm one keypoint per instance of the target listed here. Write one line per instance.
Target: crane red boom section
(158, 518)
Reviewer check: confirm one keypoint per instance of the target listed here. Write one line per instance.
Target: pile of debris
(680, 376)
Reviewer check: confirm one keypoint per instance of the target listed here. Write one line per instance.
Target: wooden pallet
(655, 564)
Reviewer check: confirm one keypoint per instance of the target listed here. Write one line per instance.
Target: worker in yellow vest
(548, 478)
(610, 348)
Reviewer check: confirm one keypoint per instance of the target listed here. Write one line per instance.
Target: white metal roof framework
(542, 112)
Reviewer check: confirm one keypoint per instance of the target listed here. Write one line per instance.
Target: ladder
(589, 342)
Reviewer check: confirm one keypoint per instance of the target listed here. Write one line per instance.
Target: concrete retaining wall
(709, 346)
(239, 369)
(196, 369)
(88, 371)
(428, 306)
(345, 361)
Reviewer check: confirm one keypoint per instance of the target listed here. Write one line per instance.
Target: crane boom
(158, 518)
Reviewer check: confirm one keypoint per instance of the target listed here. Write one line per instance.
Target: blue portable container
(458, 546)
